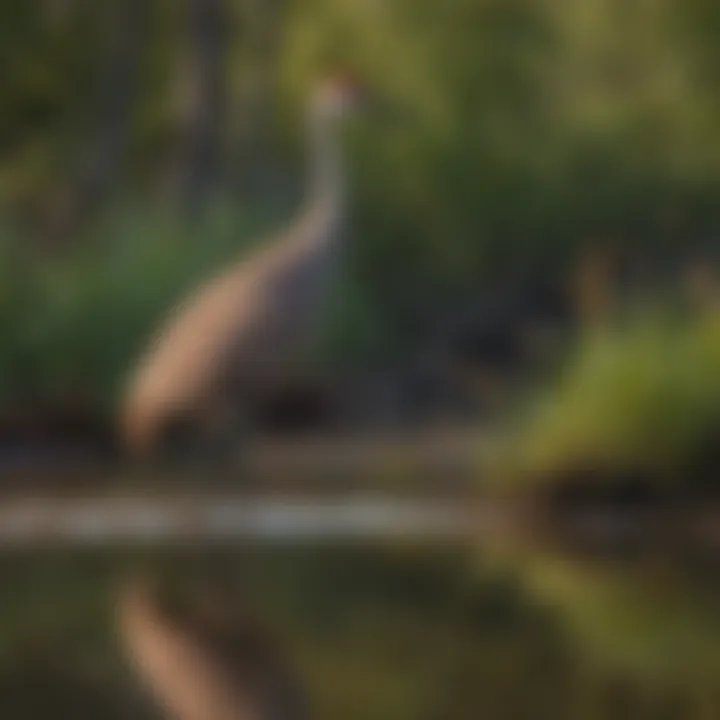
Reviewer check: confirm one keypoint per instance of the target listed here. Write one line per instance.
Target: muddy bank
(440, 461)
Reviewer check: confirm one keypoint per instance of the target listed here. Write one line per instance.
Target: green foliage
(641, 396)
(527, 126)
(72, 327)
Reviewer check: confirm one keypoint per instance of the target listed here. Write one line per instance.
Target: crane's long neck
(328, 170)
(325, 202)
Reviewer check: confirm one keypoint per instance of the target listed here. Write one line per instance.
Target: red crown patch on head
(344, 82)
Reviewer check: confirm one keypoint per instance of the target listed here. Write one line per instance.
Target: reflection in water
(656, 615)
(399, 630)
(204, 658)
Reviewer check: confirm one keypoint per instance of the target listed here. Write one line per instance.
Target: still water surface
(395, 629)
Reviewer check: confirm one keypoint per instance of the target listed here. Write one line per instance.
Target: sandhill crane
(204, 661)
(246, 329)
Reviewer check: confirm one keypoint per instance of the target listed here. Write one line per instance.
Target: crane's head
(337, 97)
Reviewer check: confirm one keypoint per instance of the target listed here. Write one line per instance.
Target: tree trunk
(203, 122)
(100, 167)
(263, 35)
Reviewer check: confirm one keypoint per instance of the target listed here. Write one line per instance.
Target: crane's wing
(194, 347)
(246, 323)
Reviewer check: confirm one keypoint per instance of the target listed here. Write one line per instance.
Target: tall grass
(71, 326)
(643, 396)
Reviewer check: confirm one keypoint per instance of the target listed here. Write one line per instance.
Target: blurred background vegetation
(530, 125)
(145, 143)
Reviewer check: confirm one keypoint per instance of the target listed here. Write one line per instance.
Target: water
(104, 520)
(401, 628)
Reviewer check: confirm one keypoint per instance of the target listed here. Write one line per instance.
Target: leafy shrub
(642, 396)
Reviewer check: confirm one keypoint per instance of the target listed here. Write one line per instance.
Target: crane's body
(251, 325)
